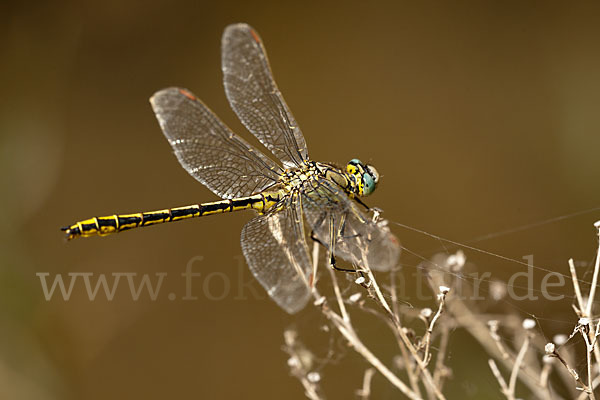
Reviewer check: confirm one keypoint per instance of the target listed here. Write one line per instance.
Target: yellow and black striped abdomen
(102, 226)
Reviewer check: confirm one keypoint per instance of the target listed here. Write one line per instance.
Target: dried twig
(344, 326)
(576, 287)
(528, 324)
(365, 391)
(544, 375)
(300, 363)
(441, 371)
(427, 339)
(590, 301)
(500, 379)
(552, 352)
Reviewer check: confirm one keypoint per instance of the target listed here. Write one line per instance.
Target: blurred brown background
(481, 117)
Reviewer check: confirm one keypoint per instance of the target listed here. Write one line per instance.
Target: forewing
(276, 252)
(358, 238)
(255, 98)
(208, 150)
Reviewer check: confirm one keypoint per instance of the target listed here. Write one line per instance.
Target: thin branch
(590, 301)
(545, 374)
(493, 325)
(373, 286)
(515, 371)
(344, 326)
(442, 298)
(576, 284)
(338, 296)
(441, 371)
(595, 385)
(551, 351)
(500, 379)
(589, 348)
(365, 391)
(394, 293)
(348, 332)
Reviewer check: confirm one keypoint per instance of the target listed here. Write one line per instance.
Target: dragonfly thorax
(295, 178)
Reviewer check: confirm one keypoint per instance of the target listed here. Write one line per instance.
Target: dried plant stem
(440, 367)
(517, 366)
(409, 345)
(378, 293)
(394, 294)
(428, 333)
(544, 375)
(338, 296)
(594, 331)
(576, 287)
(582, 307)
(298, 368)
(590, 300)
(372, 286)
(493, 325)
(365, 391)
(589, 371)
(348, 332)
(595, 384)
(309, 389)
(500, 379)
(473, 324)
(571, 371)
(345, 327)
(408, 365)
(585, 312)
(589, 349)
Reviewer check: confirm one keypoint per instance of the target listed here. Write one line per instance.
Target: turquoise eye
(368, 184)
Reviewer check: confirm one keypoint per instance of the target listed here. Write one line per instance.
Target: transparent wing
(335, 218)
(276, 252)
(254, 96)
(208, 150)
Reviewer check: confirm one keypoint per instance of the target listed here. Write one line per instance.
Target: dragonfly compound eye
(368, 183)
(373, 172)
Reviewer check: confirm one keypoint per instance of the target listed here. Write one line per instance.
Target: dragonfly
(288, 195)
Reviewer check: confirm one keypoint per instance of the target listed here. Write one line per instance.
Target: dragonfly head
(365, 176)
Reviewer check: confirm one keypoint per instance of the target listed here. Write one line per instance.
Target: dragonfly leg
(314, 238)
(332, 262)
(333, 235)
(341, 233)
(333, 265)
(359, 201)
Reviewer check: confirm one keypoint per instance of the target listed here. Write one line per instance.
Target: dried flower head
(313, 377)
(355, 297)
(493, 324)
(426, 312)
(319, 301)
(497, 290)
(560, 339)
(583, 321)
(528, 323)
(547, 359)
(456, 262)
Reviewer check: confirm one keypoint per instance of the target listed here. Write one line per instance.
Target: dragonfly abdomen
(102, 226)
